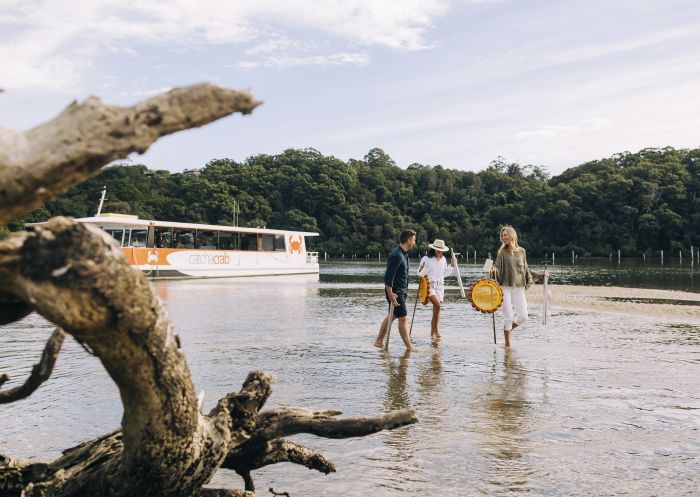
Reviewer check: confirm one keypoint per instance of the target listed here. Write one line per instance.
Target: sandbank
(659, 304)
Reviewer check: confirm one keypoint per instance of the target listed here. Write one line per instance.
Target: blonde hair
(513, 239)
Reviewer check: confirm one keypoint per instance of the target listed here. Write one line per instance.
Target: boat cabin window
(271, 243)
(207, 240)
(228, 240)
(138, 237)
(183, 238)
(268, 243)
(164, 237)
(248, 241)
(117, 234)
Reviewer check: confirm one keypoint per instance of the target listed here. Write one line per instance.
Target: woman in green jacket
(514, 276)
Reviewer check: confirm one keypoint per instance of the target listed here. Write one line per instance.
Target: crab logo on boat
(152, 256)
(295, 246)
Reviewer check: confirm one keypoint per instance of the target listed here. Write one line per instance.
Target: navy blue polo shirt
(396, 275)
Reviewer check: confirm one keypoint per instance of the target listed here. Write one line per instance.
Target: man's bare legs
(435, 321)
(379, 342)
(403, 331)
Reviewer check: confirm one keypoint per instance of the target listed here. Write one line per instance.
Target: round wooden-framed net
(485, 295)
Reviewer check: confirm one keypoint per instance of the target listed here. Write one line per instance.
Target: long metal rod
(414, 310)
(493, 316)
(388, 325)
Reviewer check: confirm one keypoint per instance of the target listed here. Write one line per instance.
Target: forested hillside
(646, 201)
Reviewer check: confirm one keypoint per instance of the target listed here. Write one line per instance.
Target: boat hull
(184, 263)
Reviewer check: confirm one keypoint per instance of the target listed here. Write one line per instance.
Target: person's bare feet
(435, 336)
(506, 334)
(379, 344)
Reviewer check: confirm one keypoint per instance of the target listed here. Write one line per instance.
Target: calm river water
(590, 404)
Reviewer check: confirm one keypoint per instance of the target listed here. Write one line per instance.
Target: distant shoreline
(663, 305)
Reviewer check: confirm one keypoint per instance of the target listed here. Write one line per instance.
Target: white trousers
(514, 306)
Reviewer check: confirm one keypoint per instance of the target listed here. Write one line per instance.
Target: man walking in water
(396, 288)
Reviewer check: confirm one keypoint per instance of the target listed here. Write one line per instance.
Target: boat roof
(130, 220)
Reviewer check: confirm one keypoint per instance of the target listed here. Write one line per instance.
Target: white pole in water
(662, 257)
(459, 276)
(475, 256)
(325, 256)
(552, 258)
(680, 254)
(102, 199)
(618, 257)
(572, 257)
(544, 296)
(644, 257)
(379, 255)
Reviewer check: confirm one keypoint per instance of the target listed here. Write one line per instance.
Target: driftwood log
(75, 276)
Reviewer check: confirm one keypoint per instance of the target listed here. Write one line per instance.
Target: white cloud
(47, 39)
(278, 44)
(355, 58)
(550, 131)
(636, 43)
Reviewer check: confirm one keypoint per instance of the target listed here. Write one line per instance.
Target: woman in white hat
(435, 266)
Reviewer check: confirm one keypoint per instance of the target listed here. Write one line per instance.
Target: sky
(457, 83)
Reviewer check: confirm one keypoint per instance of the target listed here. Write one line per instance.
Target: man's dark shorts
(400, 310)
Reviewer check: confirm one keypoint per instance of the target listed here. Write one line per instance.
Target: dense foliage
(642, 202)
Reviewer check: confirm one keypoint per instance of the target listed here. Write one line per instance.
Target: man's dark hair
(406, 235)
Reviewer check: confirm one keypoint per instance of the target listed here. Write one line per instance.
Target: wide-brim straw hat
(439, 245)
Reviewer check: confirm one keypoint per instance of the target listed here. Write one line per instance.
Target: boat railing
(312, 257)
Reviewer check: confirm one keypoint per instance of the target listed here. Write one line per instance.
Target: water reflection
(430, 375)
(505, 415)
(400, 442)
(397, 396)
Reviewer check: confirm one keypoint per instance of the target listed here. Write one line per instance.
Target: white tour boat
(164, 249)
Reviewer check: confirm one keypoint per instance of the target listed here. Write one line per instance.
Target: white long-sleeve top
(437, 270)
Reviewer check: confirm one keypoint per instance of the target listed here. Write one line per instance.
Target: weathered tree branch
(40, 163)
(241, 409)
(75, 276)
(286, 421)
(265, 446)
(40, 372)
(254, 456)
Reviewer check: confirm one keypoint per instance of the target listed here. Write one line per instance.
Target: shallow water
(591, 404)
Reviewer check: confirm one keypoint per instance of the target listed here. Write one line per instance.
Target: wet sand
(666, 305)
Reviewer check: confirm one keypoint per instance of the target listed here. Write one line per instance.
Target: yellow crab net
(424, 290)
(485, 295)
